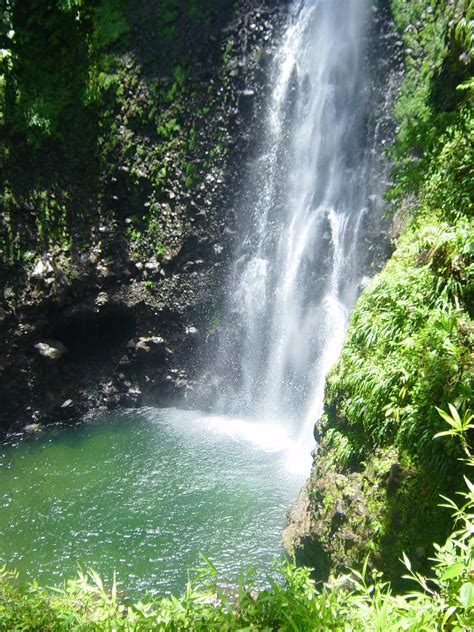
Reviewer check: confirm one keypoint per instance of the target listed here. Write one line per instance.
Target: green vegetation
(98, 126)
(357, 601)
(410, 343)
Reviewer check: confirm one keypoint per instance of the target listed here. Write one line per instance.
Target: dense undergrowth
(410, 343)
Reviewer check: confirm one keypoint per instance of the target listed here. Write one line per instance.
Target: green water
(142, 493)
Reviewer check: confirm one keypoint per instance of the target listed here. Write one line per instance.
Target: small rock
(148, 344)
(32, 427)
(42, 270)
(94, 257)
(67, 404)
(52, 351)
(102, 299)
(112, 401)
(109, 389)
(104, 270)
(152, 265)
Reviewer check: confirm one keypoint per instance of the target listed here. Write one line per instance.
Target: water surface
(142, 492)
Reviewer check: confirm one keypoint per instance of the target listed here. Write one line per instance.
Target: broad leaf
(466, 594)
(453, 571)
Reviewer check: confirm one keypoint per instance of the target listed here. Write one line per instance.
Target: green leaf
(469, 484)
(450, 611)
(455, 414)
(406, 561)
(447, 417)
(453, 571)
(445, 433)
(466, 594)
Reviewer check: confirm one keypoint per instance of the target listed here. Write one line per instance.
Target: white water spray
(297, 270)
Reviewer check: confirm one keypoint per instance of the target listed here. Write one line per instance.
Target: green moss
(98, 126)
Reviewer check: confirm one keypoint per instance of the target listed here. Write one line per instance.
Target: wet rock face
(299, 539)
(335, 520)
(107, 326)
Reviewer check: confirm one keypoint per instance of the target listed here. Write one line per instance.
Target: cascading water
(297, 270)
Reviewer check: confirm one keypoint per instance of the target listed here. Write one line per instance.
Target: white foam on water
(270, 437)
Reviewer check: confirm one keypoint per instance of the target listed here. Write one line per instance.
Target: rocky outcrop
(334, 522)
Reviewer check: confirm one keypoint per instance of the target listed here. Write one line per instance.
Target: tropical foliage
(410, 343)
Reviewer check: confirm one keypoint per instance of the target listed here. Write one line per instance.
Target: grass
(410, 342)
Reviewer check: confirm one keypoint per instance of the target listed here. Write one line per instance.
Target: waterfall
(299, 263)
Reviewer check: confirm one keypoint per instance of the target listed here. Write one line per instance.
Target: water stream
(298, 267)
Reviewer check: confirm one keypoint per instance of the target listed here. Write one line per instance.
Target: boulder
(150, 344)
(53, 350)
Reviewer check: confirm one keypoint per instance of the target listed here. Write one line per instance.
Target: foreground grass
(355, 602)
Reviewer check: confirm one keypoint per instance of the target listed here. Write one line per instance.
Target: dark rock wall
(132, 300)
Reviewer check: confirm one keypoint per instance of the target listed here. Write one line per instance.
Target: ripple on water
(142, 493)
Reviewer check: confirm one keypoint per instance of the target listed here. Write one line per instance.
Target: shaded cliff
(123, 130)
